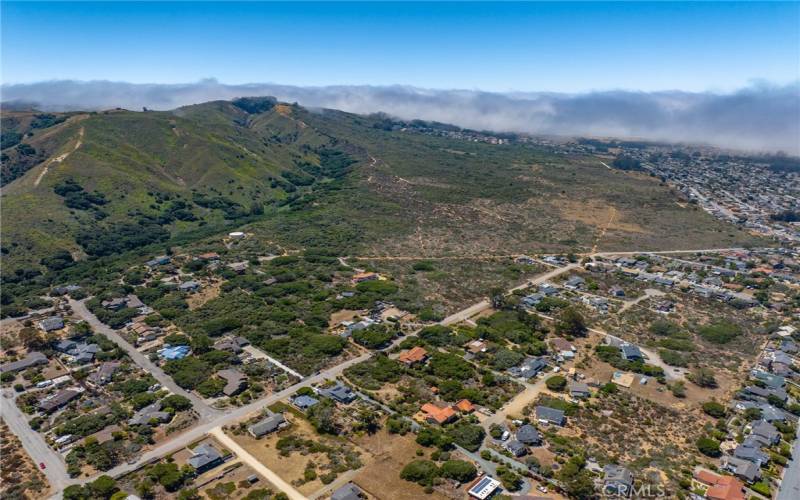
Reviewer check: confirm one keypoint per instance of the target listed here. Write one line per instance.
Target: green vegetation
(374, 336)
(143, 181)
(720, 332)
(714, 409)
(571, 323)
(425, 472)
(708, 446)
(611, 355)
(556, 383)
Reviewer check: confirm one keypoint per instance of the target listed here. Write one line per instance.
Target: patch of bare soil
(21, 478)
(381, 477)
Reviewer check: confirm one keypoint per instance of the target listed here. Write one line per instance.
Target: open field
(381, 476)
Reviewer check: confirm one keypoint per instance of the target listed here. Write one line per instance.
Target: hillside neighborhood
(142, 381)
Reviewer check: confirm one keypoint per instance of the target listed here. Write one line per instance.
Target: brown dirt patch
(381, 478)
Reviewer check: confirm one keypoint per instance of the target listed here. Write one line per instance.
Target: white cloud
(759, 117)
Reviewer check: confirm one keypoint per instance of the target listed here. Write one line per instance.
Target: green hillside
(328, 180)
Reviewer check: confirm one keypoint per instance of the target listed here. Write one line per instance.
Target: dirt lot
(292, 467)
(207, 292)
(231, 481)
(381, 477)
(21, 478)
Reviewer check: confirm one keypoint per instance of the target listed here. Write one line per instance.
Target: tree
(459, 470)
(708, 447)
(176, 402)
(704, 377)
(678, 389)
(420, 471)
(571, 322)
(104, 486)
(467, 436)
(498, 297)
(556, 383)
(714, 409)
(322, 417)
(75, 492)
(511, 481)
(664, 328)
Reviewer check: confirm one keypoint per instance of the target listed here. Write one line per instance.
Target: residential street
(202, 409)
(33, 442)
(790, 484)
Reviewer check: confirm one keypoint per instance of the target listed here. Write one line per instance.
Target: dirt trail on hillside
(603, 231)
(60, 158)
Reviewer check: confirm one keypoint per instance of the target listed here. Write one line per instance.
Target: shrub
(708, 447)
(420, 471)
(720, 332)
(556, 383)
(714, 409)
(459, 470)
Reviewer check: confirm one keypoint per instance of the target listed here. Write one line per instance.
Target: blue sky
(566, 47)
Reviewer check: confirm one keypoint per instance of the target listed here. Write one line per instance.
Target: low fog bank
(760, 117)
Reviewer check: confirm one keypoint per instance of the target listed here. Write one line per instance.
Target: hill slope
(119, 180)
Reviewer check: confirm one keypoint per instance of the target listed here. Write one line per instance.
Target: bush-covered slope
(322, 179)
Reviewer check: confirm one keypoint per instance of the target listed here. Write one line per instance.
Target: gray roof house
(630, 352)
(751, 454)
(304, 402)
(65, 346)
(204, 457)
(348, 491)
(158, 261)
(529, 435)
(148, 413)
(550, 415)
(58, 400)
(579, 390)
(233, 344)
(272, 423)
(617, 480)
(574, 282)
(767, 431)
(340, 393)
(32, 359)
(51, 323)
(515, 447)
(104, 374)
(748, 471)
(236, 381)
(529, 368)
(189, 286)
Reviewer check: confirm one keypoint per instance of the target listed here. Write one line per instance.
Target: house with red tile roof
(413, 356)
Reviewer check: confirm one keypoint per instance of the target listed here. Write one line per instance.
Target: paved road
(790, 484)
(33, 442)
(230, 416)
(200, 406)
(255, 464)
(259, 354)
(491, 467)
